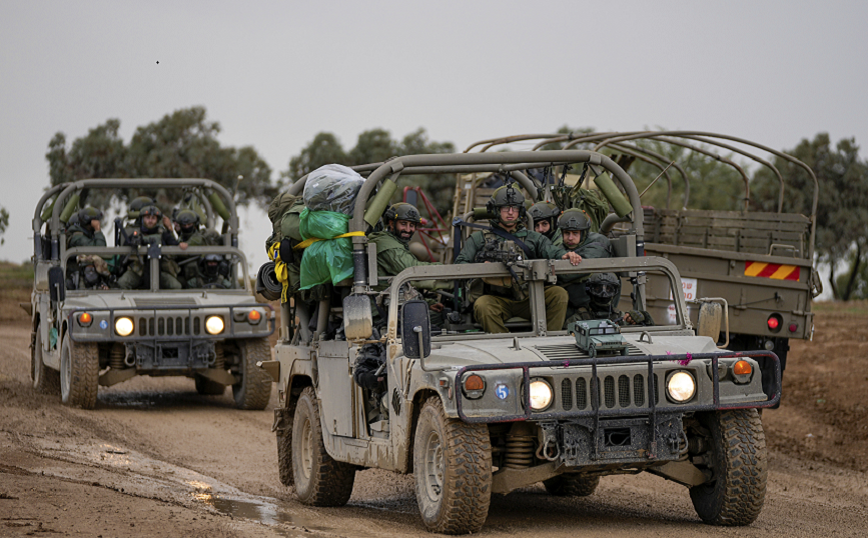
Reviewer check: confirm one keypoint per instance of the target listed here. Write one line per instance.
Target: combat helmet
(574, 220)
(545, 211)
(403, 211)
(602, 288)
(89, 213)
(507, 195)
(188, 220)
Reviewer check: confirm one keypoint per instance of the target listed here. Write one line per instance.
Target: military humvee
(759, 263)
(86, 337)
(472, 414)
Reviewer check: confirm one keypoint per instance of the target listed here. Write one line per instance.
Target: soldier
(545, 216)
(187, 225)
(494, 304)
(601, 288)
(85, 232)
(213, 272)
(575, 227)
(150, 231)
(393, 245)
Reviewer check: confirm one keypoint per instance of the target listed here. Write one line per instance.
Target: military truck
(759, 264)
(472, 414)
(86, 337)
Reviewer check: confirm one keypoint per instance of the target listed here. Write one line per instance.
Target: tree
(373, 146)
(4, 223)
(842, 208)
(181, 144)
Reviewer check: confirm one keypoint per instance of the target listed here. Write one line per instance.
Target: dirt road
(156, 459)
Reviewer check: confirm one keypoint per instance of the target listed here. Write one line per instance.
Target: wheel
(254, 389)
(45, 380)
(319, 480)
(739, 466)
(572, 485)
(79, 373)
(284, 447)
(208, 387)
(452, 468)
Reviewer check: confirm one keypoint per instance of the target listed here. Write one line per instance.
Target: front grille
(168, 326)
(626, 393)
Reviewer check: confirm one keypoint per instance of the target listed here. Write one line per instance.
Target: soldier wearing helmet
(393, 243)
(545, 216)
(601, 289)
(85, 232)
(150, 231)
(494, 304)
(576, 236)
(213, 273)
(189, 235)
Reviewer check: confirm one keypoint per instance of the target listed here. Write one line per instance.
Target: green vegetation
(14, 276)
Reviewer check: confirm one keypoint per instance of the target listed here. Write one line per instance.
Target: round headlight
(124, 326)
(214, 325)
(540, 394)
(681, 386)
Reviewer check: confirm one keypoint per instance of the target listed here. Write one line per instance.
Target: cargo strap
(308, 242)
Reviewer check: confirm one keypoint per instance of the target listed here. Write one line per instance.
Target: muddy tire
(739, 465)
(254, 389)
(452, 469)
(319, 480)
(45, 380)
(572, 485)
(208, 387)
(284, 447)
(79, 373)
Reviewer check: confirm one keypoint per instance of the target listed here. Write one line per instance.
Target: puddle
(133, 473)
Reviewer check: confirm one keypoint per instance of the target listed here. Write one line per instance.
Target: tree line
(184, 144)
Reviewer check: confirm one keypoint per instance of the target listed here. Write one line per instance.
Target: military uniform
(137, 274)
(393, 254)
(494, 305)
(188, 264)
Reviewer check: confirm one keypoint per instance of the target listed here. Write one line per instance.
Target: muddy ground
(156, 459)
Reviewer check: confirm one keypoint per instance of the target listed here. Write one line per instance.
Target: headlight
(124, 326)
(214, 325)
(540, 394)
(473, 387)
(681, 386)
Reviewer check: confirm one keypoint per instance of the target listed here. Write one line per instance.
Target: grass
(859, 308)
(15, 276)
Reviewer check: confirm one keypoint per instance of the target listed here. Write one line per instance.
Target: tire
(79, 373)
(572, 485)
(208, 387)
(45, 380)
(739, 465)
(452, 469)
(284, 447)
(254, 389)
(319, 480)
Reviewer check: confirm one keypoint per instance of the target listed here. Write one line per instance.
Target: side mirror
(710, 317)
(56, 284)
(358, 319)
(415, 329)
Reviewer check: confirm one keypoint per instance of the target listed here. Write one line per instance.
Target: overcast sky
(273, 74)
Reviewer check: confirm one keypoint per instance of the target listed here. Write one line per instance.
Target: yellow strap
(308, 242)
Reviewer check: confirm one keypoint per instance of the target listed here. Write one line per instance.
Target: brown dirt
(156, 459)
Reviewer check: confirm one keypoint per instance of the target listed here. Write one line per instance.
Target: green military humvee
(472, 414)
(87, 337)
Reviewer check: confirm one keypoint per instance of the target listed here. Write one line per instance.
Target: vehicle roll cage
(65, 190)
(619, 141)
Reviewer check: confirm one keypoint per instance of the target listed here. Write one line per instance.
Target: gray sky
(273, 74)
